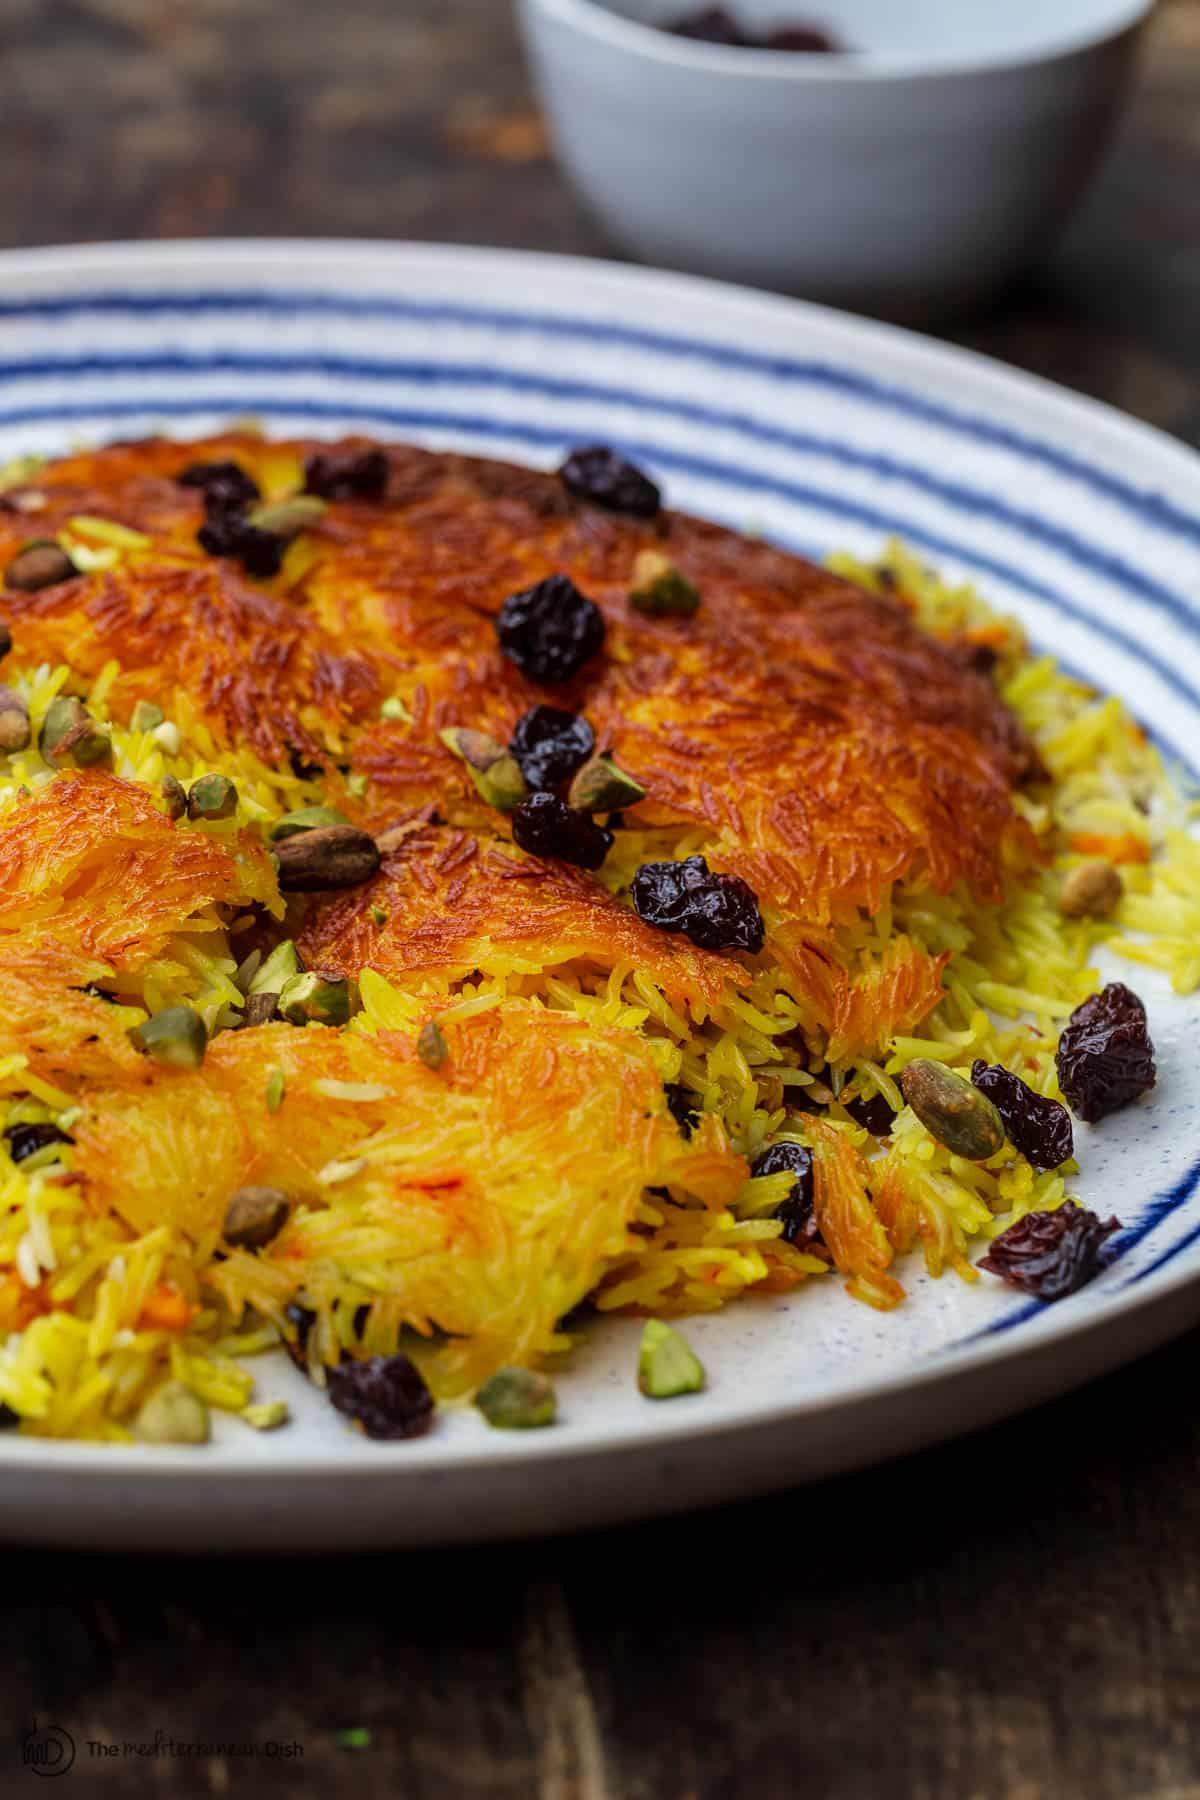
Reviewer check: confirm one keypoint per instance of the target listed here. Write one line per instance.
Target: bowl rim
(597, 19)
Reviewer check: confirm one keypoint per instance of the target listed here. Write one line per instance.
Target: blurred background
(416, 118)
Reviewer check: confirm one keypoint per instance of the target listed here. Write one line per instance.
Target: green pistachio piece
(952, 1110)
(174, 796)
(658, 588)
(288, 518)
(601, 787)
(212, 797)
(173, 1415)
(432, 1047)
(496, 774)
(14, 722)
(69, 734)
(271, 976)
(394, 708)
(379, 916)
(306, 818)
(145, 716)
(667, 1364)
(517, 1400)
(266, 1415)
(316, 998)
(40, 564)
(175, 1036)
(276, 1088)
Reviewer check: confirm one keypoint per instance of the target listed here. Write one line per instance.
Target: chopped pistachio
(379, 916)
(146, 716)
(494, 770)
(69, 734)
(356, 784)
(601, 787)
(14, 722)
(432, 1047)
(174, 796)
(517, 1400)
(254, 1216)
(1091, 891)
(276, 1087)
(952, 1110)
(394, 708)
(320, 999)
(667, 1364)
(260, 1009)
(173, 1415)
(212, 797)
(267, 1415)
(109, 531)
(175, 1036)
(279, 967)
(305, 818)
(39, 564)
(288, 518)
(168, 737)
(246, 970)
(659, 589)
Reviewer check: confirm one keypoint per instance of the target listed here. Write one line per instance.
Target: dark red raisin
(873, 1114)
(808, 38)
(224, 485)
(550, 630)
(9, 1418)
(1105, 1058)
(302, 1319)
(718, 912)
(27, 1140)
(550, 745)
(599, 475)
(799, 1219)
(1039, 1128)
(711, 25)
(546, 826)
(386, 1394)
(682, 1107)
(1051, 1254)
(230, 534)
(346, 474)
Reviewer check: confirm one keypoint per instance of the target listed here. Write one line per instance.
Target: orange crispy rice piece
(804, 732)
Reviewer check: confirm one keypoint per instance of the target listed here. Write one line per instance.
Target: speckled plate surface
(823, 431)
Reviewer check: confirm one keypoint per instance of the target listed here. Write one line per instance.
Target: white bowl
(914, 173)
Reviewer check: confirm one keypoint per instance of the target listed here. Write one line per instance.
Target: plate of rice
(599, 897)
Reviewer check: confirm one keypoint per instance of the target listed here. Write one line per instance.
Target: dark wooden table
(1016, 1615)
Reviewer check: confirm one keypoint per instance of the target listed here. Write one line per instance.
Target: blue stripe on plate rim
(1153, 507)
(1150, 507)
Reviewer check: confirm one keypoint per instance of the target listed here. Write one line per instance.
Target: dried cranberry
(346, 474)
(386, 1394)
(873, 1114)
(225, 486)
(711, 25)
(1105, 1058)
(682, 1107)
(1051, 1254)
(230, 534)
(302, 1319)
(546, 826)
(605, 479)
(550, 745)
(27, 1140)
(1039, 1128)
(799, 1218)
(8, 1418)
(718, 912)
(550, 630)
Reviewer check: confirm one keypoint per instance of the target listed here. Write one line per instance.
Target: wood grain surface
(1014, 1617)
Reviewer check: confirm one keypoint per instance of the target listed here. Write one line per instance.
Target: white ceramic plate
(822, 431)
